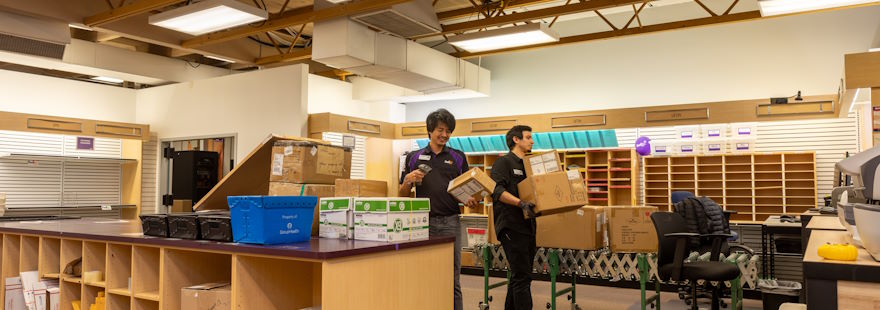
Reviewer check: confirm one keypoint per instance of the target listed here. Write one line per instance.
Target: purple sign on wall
(85, 143)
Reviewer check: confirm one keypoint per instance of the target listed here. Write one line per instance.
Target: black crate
(216, 227)
(155, 225)
(183, 226)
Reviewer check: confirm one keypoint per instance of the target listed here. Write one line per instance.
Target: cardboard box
(474, 183)
(631, 230)
(309, 162)
(554, 192)
(182, 206)
(208, 296)
(294, 189)
(336, 218)
(361, 188)
(14, 294)
(391, 219)
(581, 229)
(54, 299)
(467, 258)
(542, 163)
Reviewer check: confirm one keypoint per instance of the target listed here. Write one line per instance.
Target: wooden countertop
(825, 223)
(864, 269)
(130, 232)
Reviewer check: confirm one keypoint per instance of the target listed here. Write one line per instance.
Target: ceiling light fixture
(780, 7)
(524, 35)
(208, 16)
(107, 79)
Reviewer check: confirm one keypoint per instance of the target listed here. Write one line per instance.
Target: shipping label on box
(631, 229)
(336, 218)
(309, 162)
(554, 192)
(541, 163)
(419, 226)
(361, 188)
(581, 229)
(382, 219)
(472, 184)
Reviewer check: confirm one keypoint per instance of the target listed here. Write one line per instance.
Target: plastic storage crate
(271, 219)
(183, 226)
(568, 138)
(215, 227)
(155, 225)
(453, 143)
(499, 143)
(580, 138)
(609, 138)
(476, 144)
(542, 141)
(556, 140)
(465, 144)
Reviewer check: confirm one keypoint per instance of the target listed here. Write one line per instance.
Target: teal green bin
(499, 143)
(580, 138)
(477, 144)
(453, 143)
(465, 145)
(556, 140)
(542, 141)
(595, 138)
(422, 143)
(609, 138)
(568, 138)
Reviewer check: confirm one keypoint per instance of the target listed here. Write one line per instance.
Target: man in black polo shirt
(516, 233)
(446, 164)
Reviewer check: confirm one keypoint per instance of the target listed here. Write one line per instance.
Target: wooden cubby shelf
(755, 185)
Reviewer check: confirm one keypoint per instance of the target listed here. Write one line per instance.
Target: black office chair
(672, 235)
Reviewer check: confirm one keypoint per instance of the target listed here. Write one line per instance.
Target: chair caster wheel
(548, 305)
(687, 302)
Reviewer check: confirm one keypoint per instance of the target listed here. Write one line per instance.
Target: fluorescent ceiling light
(106, 79)
(779, 7)
(208, 16)
(220, 59)
(529, 34)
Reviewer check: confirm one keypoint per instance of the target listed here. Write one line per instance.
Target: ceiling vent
(33, 36)
(411, 19)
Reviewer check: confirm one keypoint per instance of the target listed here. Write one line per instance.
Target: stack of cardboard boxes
(305, 168)
(566, 221)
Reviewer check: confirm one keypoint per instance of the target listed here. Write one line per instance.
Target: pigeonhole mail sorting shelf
(149, 273)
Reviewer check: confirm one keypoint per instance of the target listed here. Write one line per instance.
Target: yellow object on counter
(846, 252)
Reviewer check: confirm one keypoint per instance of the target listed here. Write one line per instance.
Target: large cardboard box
(14, 294)
(631, 230)
(182, 206)
(336, 217)
(472, 184)
(554, 192)
(581, 229)
(309, 162)
(208, 296)
(541, 163)
(361, 188)
(294, 189)
(391, 219)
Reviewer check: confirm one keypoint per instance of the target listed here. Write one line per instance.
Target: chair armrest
(717, 241)
(681, 235)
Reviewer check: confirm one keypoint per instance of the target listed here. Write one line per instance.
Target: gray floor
(589, 297)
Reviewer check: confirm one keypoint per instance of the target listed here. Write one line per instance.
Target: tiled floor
(588, 297)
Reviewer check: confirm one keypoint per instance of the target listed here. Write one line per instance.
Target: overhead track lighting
(780, 7)
(523, 35)
(208, 16)
(107, 79)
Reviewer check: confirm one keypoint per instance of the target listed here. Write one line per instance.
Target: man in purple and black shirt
(446, 164)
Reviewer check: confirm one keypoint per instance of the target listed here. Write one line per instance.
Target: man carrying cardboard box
(515, 232)
(430, 170)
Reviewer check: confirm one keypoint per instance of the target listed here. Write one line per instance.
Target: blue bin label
(289, 231)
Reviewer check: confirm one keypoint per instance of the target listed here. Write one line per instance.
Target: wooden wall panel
(862, 70)
(328, 122)
(72, 126)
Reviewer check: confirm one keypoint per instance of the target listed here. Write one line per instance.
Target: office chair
(672, 235)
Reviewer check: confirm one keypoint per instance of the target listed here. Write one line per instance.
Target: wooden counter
(825, 223)
(331, 273)
(839, 284)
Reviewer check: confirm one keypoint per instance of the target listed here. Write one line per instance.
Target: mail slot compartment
(117, 130)
(39, 123)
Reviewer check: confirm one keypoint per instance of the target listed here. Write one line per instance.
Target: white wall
(251, 105)
(36, 94)
(335, 96)
(747, 60)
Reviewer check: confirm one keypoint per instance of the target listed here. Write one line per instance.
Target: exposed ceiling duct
(411, 19)
(344, 44)
(33, 35)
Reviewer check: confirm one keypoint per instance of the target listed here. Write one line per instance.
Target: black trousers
(520, 250)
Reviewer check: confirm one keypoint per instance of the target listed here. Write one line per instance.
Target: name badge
(449, 162)
(517, 172)
(424, 157)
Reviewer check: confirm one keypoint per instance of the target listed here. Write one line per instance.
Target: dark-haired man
(514, 231)
(446, 164)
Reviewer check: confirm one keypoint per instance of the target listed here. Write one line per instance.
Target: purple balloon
(643, 146)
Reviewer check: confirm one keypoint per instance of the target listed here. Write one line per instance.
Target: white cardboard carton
(390, 219)
(14, 295)
(54, 296)
(336, 217)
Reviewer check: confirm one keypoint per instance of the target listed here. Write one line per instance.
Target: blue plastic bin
(609, 137)
(271, 219)
(476, 144)
(556, 140)
(453, 143)
(486, 141)
(422, 143)
(465, 145)
(580, 137)
(542, 141)
(499, 144)
(595, 138)
(568, 138)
